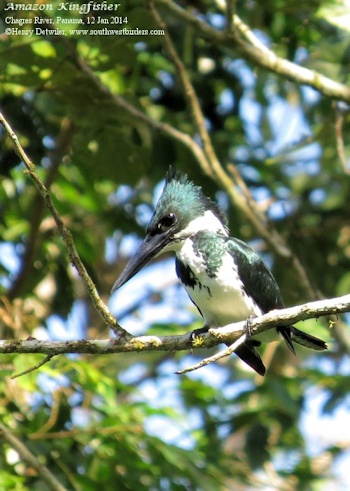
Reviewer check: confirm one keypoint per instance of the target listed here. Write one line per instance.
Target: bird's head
(182, 210)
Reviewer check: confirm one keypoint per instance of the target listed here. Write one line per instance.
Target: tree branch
(66, 236)
(230, 9)
(229, 333)
(37, 206)
(218, 356)
(193, 104)
(260, 56)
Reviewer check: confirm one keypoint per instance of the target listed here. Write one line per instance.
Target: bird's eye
(167, 221)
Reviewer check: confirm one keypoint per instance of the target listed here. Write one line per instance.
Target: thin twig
(230, 12)
(271, 235)
(37, 209)
(249, 35)
(138, 115)
(218, 356)
(190, 93)
(339, 120)
(67, 238)
(35, 367)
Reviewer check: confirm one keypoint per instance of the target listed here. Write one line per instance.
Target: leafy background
(127, 421)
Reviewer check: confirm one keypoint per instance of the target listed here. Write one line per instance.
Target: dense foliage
(102, 117)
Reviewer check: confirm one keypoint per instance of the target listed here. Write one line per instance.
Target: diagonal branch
(244, 201)
(133, 111)
(230, 13)
(213, 165)
(250, 49)
(218, 356)
(66, 236)
(38, 207)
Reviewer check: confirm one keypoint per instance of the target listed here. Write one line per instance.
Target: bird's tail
(249, 355)
(307, 340)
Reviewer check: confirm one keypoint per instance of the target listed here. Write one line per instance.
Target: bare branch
(35, 367)
(248, 34)
(339, 138)
(228, 333)
(37, 206)
(213, 163)
(265, 58)
(218, 356)
(67, 238)
(230, 12)
(120, 102)
(269, 233)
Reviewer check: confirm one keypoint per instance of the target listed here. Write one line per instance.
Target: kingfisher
(225, 278)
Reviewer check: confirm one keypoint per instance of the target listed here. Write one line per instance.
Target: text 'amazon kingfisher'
(224, 277)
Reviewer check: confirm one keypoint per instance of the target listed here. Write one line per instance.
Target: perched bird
(224, 277)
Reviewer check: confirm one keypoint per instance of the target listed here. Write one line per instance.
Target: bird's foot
(195, 335)
(248, 326)
(249, 330)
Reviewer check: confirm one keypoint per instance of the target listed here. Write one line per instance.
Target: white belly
(223, 306)
(222, 299)
(220, 305)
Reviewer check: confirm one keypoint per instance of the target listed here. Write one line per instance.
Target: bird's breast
(212, 281)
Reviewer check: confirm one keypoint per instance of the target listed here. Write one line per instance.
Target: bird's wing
(259, 282)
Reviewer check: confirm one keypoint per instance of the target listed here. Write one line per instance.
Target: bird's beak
(150, 247)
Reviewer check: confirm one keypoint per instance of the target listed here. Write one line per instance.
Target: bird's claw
(195, 339)
(249, 330)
